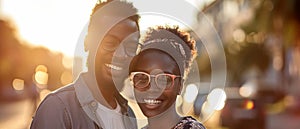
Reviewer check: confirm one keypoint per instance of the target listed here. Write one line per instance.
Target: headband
(170, 46)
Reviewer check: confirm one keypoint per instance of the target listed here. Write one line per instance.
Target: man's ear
(86, 45)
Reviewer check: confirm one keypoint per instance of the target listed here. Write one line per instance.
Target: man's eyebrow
(112, 36)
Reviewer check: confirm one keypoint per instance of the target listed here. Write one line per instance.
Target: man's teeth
(113, 67)
(152, 101)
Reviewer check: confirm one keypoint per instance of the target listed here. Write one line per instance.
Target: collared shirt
(74, 107)
(111, 118)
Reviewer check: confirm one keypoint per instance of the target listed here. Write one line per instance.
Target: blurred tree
(18, 60)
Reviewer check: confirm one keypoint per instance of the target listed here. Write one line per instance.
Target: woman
(157, 74)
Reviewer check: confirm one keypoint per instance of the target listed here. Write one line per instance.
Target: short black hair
(161, 33)
(118, 10)
(158, 32)
(101, 4)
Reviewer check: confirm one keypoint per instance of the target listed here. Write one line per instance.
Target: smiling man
(93, 100)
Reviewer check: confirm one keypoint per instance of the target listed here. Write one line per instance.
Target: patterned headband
(174, 44)
(172, 47)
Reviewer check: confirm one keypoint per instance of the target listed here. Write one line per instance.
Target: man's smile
(114, 67)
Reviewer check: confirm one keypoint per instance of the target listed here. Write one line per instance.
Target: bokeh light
(41, 68)
(67, 62)
(41, 77)
(18, 84)
(190, 93)
(247, 90)
(66, 78)
(249, 104)
(239, 35)
(216, 99)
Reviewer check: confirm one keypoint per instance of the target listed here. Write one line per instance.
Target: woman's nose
(153, 91)
(153, 87)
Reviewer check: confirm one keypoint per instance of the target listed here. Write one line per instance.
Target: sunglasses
(129, 48)
(141, 80)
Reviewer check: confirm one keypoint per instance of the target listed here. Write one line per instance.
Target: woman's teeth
(113, 67)
(152, 101)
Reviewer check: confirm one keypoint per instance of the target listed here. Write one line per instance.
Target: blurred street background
(260, 38)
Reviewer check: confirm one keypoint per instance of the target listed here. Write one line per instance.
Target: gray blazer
(74, 107)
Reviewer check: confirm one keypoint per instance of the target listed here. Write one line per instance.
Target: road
(16, 115)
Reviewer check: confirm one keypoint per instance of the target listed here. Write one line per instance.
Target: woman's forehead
(155, 53)
(156, 59)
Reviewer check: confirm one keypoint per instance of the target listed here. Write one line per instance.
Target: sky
(57, 24)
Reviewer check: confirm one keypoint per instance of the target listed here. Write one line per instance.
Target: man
(93, 100)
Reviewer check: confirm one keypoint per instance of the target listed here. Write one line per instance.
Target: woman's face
(153, 99)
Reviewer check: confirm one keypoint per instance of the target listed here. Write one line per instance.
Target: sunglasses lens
(164, 81)
(140, 80)
(110, 47)
(131, 49)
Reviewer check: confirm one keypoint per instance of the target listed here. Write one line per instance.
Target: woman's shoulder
(189, 122)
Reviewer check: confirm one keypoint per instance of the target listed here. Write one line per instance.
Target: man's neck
(109, 96)
(166, 120)
(106, 97)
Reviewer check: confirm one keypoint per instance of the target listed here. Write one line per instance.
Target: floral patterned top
(187, 122)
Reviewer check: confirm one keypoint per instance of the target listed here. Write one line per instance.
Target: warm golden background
(261, 42)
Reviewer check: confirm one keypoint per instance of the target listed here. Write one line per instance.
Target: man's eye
(130, 47)
(131, 44)
(110, 46)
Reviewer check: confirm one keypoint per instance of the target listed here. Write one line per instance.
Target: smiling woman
(157, 74)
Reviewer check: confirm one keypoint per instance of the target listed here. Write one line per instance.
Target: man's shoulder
(64, 89)
(64, 93)
(60, 109)
(63, 98)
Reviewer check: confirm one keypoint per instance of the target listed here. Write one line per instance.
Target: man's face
(116, 48)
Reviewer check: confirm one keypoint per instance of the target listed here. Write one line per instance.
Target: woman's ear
(181, 85)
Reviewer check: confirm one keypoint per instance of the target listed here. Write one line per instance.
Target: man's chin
(109, 76)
